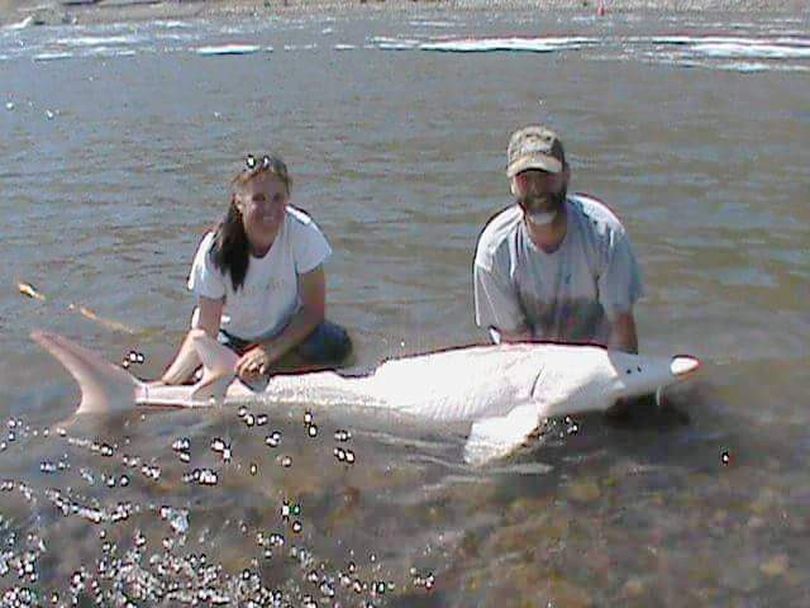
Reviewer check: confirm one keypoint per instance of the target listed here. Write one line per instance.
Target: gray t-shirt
(568, 295)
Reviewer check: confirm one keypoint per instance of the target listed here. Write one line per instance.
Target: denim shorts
(328, 344)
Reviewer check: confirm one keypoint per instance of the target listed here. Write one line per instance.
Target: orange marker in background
(29, 290)
(32, 292)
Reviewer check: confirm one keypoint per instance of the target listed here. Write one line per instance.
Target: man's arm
(623, 333)
(620, 286)
(524, 335)
(497, 307)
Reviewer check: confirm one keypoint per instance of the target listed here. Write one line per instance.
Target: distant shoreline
(108, 11)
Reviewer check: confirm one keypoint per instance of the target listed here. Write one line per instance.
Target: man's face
(540, 194)
(537, 190)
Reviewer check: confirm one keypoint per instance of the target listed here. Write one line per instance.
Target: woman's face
(262, 202)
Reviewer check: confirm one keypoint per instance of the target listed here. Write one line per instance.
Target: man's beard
(542, 210)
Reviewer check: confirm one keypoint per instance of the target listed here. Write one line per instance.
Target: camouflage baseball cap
(534, 147)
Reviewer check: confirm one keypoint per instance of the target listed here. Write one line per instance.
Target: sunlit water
(117, 143)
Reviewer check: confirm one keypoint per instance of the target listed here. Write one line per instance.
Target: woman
(260, 283)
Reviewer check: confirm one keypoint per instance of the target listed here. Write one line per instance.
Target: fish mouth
(683, 365)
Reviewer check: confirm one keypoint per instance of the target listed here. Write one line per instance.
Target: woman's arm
(257, 360)
(186, 360)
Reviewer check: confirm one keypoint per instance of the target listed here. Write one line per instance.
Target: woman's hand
(254, 364)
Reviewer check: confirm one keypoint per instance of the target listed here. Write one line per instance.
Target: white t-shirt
(269, 297)
(569, 295)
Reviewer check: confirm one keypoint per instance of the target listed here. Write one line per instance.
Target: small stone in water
(633, 587)
(775, 566)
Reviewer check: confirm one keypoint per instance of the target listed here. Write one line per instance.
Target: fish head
(583, 378)
(638, 375)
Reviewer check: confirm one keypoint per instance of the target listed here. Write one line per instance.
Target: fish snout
(683, 365)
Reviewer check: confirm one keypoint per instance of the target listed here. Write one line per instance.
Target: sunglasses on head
(254, 163)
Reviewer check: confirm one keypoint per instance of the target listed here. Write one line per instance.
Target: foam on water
(228, 49)
(300, 47)
(52, 56)
(386, 43)
(19, 25)
(103, 51)
(779, 47)
(772, 41)
(434, 24)
(171, 25)
(754, 67)
(85, 41)
(751, 49)
(525, 45)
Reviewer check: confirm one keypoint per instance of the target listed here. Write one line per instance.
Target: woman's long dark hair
(230, 251)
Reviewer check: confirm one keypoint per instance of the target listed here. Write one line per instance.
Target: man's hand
(254, 364)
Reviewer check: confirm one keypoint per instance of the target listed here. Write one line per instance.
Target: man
(554, 267)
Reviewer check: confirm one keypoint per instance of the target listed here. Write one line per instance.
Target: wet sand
(107, 11)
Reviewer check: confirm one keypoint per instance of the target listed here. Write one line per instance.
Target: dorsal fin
(105, 388)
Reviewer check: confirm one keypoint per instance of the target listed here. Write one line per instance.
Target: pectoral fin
(497, 436)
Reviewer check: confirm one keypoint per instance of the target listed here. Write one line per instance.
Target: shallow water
(117, 143)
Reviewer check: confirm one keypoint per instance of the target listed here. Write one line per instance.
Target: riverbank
(39, 12)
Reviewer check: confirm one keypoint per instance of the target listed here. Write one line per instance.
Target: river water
(116, 145)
